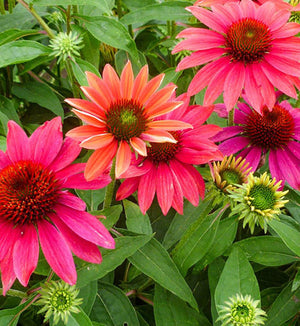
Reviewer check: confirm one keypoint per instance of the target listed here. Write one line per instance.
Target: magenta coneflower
(246, 47)
(276, 132)
(35, 208)
(168, 168)
(120, 117)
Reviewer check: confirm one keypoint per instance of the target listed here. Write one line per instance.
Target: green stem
(2, 7)
(68, 16)
(231, 118)
(15, 293)
(38, 18)
(11, 5)
(111, 187)
(69, 69)
(119, 9)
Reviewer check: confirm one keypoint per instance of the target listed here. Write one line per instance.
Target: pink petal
(78, 181)
(139, 146)
(81, 248)
(233, 145)
(177, 202)
(275, 167)
(146, 190)
(289, 166)
(164, 187)
(86, 226)
(253, 157)
(283, 64)
(9, 235)
(46, 141)
(123, 158)
(126, 81)
(57, 252)
(198, 180)
(17, 143)
(70, 170)
(26, 254)
(252, 89)
(68, 199)
(4, 160)
(127, 188)
(294, 147)
(8, 276)
(227, 132)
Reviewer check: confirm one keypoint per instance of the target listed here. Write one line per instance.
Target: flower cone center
(164, 152)
(126, 119)
(231, 177)
(248, 40)
(61, 300)
(28, 192)
(242, 313)
(263, 197)
(270, 130)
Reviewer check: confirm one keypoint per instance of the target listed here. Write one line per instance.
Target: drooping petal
(68, 199)
(123, 158)
(87, 106)
(164, 187)
(146, 190)
(90, 119)
(138, 145)
(57, 252)
(8, 275)
(26, 253)
(83, 132)
(78, 181)
(127, 188)
(233, 145)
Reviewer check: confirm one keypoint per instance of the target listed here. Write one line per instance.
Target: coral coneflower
(168, 168)
(120, 117)
(35, 207)
(276, 132)
(246, 47)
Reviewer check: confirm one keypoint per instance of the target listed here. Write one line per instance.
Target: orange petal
(126, 81)
(123, 158)
(86, 106)
(157, 136)
(139, 145)
(97, 141)
(96, 96)
(163, 109)
(171, 125)
(159, 98)
(112, 80)
(140, 82)
(83, 132)
(97, 83)
(99, 161)
(150, 88)
(90, 119)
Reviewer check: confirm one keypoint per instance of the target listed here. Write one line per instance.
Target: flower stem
(15, 293)
(231, 118)
(111, 187)
(38, 18)
(72, 78)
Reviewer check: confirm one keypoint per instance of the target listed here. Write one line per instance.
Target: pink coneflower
(35, 208)
(276, 132)
(167, 170)
(121, 117)
(247, 47)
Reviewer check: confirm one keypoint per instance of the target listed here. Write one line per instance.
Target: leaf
(88, 294)
(113, 308)
(14, 34)
(267, 250)
(112, 32)
(92, 198)
(112, 215)
(296, 282)
(289, 235)
(196, 241)
(21, 51)
(4, 120)
(35, 92)
(154, 261)
(237, 278)
(136, 221)
(125, 246)
(79, 68)
(173, 10)
(7, 107)
(285, 306)
(181, 223)
(170, 310)
(10, 317)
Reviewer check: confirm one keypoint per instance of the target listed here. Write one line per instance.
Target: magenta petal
(78, 181)
(233, 145)
(294, 147)
(253, 157)
(274, 167)
(198, 180)
(227, 132)
(70, 170)
(9, 235)
(46, 141)
(17, 143)
(146, 190)
(67, 154)
(86, 226)
(81, 248)
(4, 160)
(164, 187)
(177, 203)
(128, 187)
(289, 166)
(7, 271)
(26, 253)
(57, 252)
(68, 199)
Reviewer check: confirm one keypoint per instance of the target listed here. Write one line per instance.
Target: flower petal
(170, 125)
(164, 187)
(138, 145)
(146, 190)
(123, 158)
(97, 141)
(157, 136)
(126, 81)
(17, 143)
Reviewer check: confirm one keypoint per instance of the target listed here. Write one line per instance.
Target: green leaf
(2, 143)
(181, 223)
(4, 120)
(170, 310)
(112, 215)
(267, 250)
(173, 10)
(125, 246)
(79, 68)
(196, 241)
(296, 282)
(10, 317)
(7, 107)
(35, 92)
(154, 261)
(88, 294)
(136, 221)
(285, 307)
(21, 51)
(113, 308)
(112, 32)
(14, 34)
(237, 278)
(289, 235)
(92, 198)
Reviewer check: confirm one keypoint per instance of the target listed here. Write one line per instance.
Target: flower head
(275, 131)
(66, 46)
(241, 311)
(59, 300)
(35, 207)
(258, 201)
(168, 168)
(242, 49)
(120, 117)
